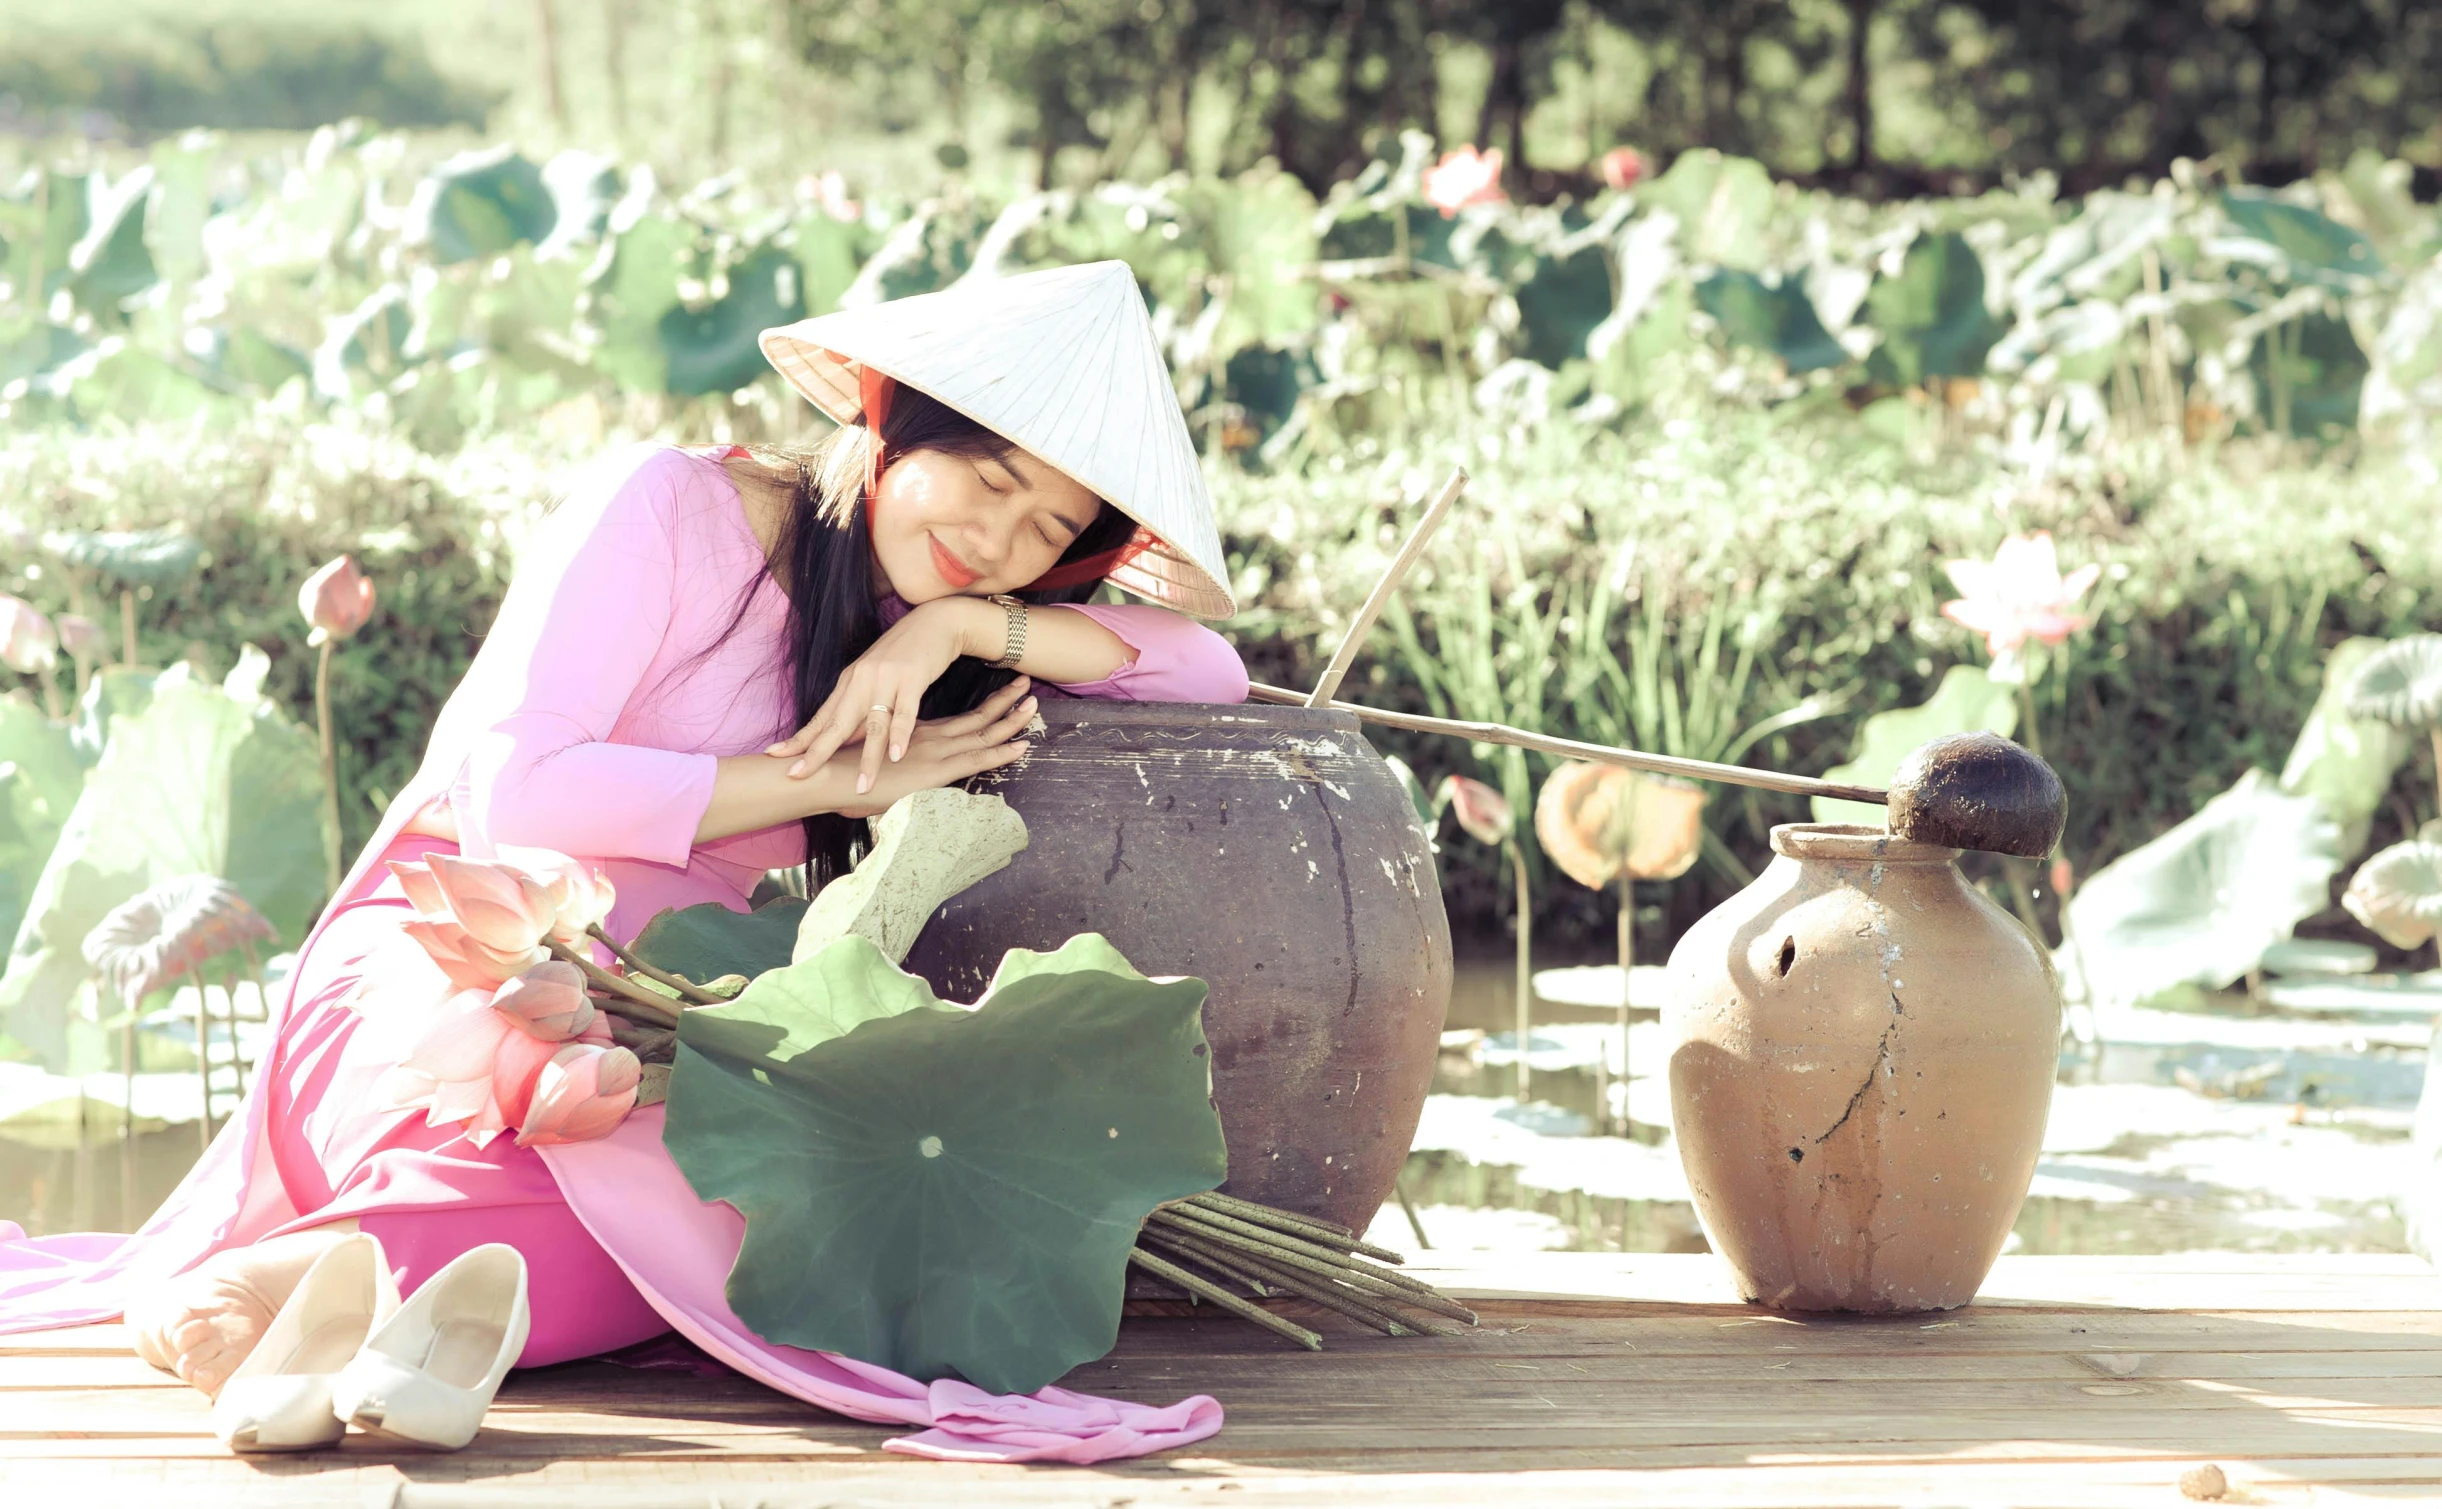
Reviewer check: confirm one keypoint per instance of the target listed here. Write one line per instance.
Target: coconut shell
(1979, 791)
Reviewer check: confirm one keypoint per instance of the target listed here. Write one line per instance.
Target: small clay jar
(1862, 1055)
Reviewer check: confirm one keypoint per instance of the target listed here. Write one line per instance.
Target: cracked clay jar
(1862, 1054)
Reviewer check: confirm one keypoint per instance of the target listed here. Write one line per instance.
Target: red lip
(952, 569)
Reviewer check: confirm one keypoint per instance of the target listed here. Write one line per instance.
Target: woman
(709, 665)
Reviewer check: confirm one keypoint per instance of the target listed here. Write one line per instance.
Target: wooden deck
(1595, 1380)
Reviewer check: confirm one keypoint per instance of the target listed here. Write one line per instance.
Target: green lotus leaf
(40, 777)
(197, 783)
(939, 1190)
(2401, 683)
(708, 941)
(2311, 368)
(1722, 202)
(2398, 893)
(2315, 245)
(716, 349)
(2201, 904)
(1932, 315)
(479, 204)
(153, 558)
(1561, 303)
(2343, 758)
(927, 847)
(111, 262)
(1774, 317)
(1967, 701)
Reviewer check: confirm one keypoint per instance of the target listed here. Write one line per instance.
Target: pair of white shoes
(345, 1351)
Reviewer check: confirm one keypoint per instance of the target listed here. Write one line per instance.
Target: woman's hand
(876, 699)
(945, 751)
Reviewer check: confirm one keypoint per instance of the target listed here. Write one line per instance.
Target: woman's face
(945, 525)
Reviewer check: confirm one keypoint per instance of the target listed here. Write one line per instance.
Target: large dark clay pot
(1270, 852)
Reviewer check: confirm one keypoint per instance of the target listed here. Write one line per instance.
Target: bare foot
(203, 1323)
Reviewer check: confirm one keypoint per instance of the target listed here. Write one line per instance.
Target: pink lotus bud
(580, 895)
(2064, 875)
(499, 905)
(1623, 167)
(336, 600)
(518, 1067)
(547, 1002)
(83, 639)
(468, 962)
(584, 1093)
(27, 642)
(1483, 812)
(423, 892)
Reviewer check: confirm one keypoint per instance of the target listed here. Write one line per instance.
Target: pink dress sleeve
(591, 601)
(1177, 659)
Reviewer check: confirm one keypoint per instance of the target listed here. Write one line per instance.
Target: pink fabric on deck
(591, 722)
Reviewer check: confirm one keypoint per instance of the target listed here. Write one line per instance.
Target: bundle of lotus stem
(1276, 1253)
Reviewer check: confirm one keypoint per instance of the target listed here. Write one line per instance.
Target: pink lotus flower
(583, 1093)
(482, 1060)
(1623, 167)
(2019, 595)
(580, 897)
(1483, 812)
(83, 639)
(467, 962)
(547, 1002)
(336, 600)
(28, 644)
(499, 905)
(455, 1069)
(1462, 178)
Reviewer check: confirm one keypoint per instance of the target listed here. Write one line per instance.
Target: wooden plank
(2189, 1281)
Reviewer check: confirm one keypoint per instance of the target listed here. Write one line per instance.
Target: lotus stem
(1325, 1233)
(652, 1045)
(1526, 965)
(1223, 1228)
(330, 748)
(127, 1124)
(1312, 1341)
(1396, 1287)
(690, 992)
(1381, 1313)
(203, 1053)
(638, 1002)
(127, 626)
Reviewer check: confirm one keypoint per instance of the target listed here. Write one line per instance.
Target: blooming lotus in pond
(336, 600)
(28, 644)
(1483, 812)
(2017, 596)
(584, 1091)
(547, 1002)
(1462, 178)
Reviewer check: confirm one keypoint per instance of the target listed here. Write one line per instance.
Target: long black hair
(824, 559)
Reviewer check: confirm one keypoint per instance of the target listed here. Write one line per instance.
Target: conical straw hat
(1061, 362)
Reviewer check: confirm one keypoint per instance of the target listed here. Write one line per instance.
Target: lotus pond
(2207, 1122)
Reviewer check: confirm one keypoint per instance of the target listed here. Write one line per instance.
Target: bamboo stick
(1600, 754)
(1414, 546)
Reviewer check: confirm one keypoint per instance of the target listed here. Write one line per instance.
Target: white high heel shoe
(427, 1374)
(279, 1398)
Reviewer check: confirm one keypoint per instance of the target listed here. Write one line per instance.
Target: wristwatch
(1013, 649)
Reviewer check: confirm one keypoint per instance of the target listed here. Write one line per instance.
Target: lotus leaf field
(1725, 432)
